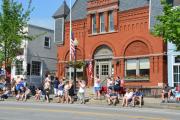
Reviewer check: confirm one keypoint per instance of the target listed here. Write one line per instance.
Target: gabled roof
(79, 10)
(63, 11)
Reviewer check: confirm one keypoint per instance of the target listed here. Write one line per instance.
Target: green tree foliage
(13, 20)
(168, 26)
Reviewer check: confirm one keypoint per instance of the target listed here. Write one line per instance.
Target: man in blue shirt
(137, 97)
(112, 98)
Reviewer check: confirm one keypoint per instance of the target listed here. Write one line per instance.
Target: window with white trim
(47, 42)
(176, 75)
(36, 68)
(19, 67)
(111, 21)
(94, 29)
(137, 68)
(102, 23)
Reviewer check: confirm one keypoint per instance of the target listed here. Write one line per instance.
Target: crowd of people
(64, 91)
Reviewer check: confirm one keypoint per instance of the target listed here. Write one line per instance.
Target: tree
(168, 26)
(13, 20)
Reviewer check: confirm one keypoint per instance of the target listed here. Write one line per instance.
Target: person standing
(47, 87)
(81, 92)
(71, 92)
(117, 84)
(166, 93)
(61, 90)
(97, 87)
(55, 85)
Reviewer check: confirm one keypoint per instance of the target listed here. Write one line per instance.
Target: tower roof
(62, 11)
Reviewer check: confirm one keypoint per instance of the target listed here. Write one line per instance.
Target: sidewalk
(148, 102)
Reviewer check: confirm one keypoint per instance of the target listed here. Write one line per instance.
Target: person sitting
(18, 96)
(38, 94)
(5, 94)
(110, 83)
(137, 97)
(112, 98)
(166, 93)
(127, 97)
(27, 91)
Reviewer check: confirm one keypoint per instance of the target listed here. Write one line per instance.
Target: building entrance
(103, 66)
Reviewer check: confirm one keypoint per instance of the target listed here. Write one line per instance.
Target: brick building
(115, 36)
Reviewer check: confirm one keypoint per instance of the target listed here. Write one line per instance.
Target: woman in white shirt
(97, 87)
(127, 97)
(81, 92)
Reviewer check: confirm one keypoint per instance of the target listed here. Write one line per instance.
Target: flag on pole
(90, 69)
(72, 48)
(70, 35)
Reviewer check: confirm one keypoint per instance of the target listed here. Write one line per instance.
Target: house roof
(62, 11)
(79, 9)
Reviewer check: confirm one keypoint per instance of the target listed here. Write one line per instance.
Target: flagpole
(70, 30)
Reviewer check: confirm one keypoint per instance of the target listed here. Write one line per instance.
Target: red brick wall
(130, 27)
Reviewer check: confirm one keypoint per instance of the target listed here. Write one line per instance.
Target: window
(94, 29)
(104, 70)
(36, 68)
(47, 42)
(111, 21)
(137, 68)
(176, 74)
(131, 67)
(28, 69)
(97, 69)
(144, 67)
(59, 31)
(19, 67)
(102, 24)
(177, 59)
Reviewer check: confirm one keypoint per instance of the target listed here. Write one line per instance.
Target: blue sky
(43, 11)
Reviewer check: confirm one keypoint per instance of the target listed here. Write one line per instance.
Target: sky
(43, 11)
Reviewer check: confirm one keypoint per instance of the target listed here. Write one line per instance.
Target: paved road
(45, 111)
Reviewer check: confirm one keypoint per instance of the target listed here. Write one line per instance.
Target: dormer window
(94, 29)
(102, 23)
(111, 21)
(47, 42)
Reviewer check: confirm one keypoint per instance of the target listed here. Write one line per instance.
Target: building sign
(177, 59)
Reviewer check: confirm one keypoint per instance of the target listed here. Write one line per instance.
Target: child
(5, 94)
(38, 94)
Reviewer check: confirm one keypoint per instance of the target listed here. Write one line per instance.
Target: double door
(104, 69)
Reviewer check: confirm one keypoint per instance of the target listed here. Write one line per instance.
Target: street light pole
(75, 69)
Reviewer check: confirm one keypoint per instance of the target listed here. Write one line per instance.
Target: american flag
(72, 48)
(90, 69)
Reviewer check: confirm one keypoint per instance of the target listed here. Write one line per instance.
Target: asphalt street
(53, 111)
